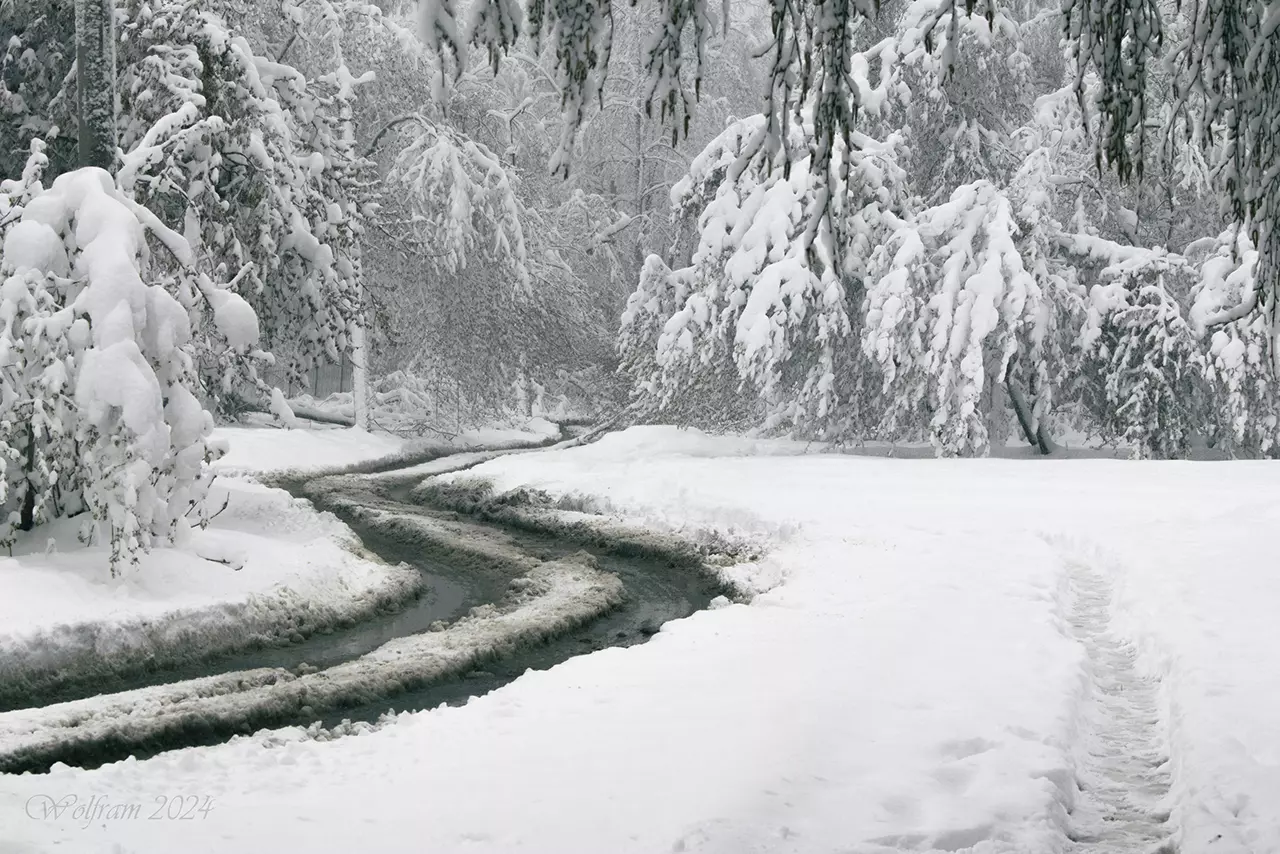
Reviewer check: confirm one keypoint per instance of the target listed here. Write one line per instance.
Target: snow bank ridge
(68, 658)
(549, 599)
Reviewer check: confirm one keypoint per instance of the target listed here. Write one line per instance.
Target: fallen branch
(306, 412)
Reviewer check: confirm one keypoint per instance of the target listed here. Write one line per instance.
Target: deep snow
(908, 677)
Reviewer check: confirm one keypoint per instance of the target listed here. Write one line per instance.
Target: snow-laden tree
(1227, 54)
(522, 292)
(973, 302)
(250, 158)
(626, 151)
(957, 304)
(1145, 374)
(787, 254)
(99, 373)
(252, 161)
(1247, 390)
(1225, 62)
(578, 36)
(769, 287)
(461, 203)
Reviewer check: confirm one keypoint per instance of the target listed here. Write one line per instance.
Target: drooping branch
(1238, 312)
(391, 125)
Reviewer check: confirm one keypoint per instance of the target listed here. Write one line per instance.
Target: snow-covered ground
(254, 450)
(268, 568)
(922, 669)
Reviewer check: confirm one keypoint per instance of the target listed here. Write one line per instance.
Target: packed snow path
(1122, 760)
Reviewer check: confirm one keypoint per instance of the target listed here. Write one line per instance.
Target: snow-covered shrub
(100, 405)
(37, 426)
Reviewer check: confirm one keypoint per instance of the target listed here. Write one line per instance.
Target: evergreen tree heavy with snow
(250, 159)
(1022, 289)
(126, 300)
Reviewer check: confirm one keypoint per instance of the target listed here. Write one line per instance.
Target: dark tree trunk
(1036, 436)
(96, 82)
(27, 519)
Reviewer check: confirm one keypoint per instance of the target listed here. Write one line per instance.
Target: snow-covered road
(497, 601)
(937, 654)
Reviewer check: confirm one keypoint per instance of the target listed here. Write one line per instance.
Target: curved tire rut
(527, 601)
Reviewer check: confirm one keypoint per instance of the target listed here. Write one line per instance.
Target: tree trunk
(96, 82)
(360, 377)
(1036, 435)
(27, 518)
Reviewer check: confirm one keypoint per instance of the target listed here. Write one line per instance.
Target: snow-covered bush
(101, 407)
(37, 427)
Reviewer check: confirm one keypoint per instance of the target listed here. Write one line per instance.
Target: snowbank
(549, 599)
(905, 679)
(270, 569)
(263, 451)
